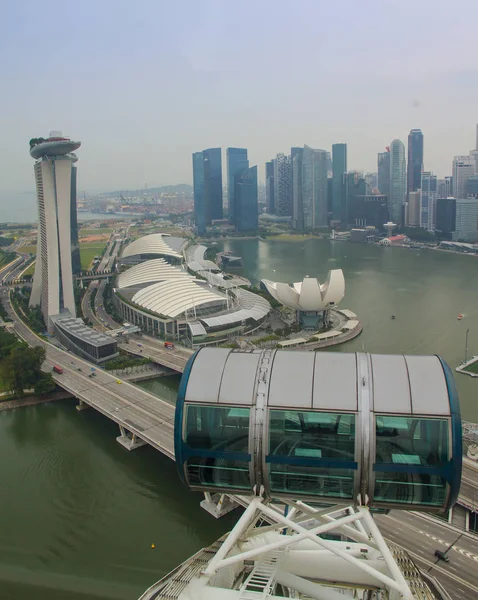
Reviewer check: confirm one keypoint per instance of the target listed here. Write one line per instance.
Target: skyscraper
(355, 185)
(246, 217)
(463, 167)
(398, 182)
(282, 186)
(415, 160)
(207, 187)
(236, 163)
(314, 188)
(466, 229)
(445, 187)
(446, 217)
(198, 191)
(55, 178)
(75, 244)
(339, 168)
(428, 199)
(213, 183)
(383, 164)
(298, 207)
(270, 204)
(414, 209)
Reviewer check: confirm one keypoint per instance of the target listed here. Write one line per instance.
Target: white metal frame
(355, 523)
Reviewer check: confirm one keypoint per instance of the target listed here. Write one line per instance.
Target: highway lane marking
(438, 568)
(466, 553)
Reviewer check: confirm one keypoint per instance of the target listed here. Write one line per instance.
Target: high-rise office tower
(398, 180)
(314, 188)
(213, 183)
(383, 177)
(207, 187)
(282, 186)
(198, 192)
(463, 167)
(415, 160)
(414, 209)
(339, 168)
(355, 185)
(472, 187)
(428, 198)
(446, 217)
(236, 163)
(445, 187)
(466, 229)
(298, 207)
(55, 178)
(246, 211)
(270, 204)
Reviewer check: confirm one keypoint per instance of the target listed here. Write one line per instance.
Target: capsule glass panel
(217, 439)
(411, 457)
(311, 453)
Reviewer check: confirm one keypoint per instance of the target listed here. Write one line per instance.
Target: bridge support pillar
(81, 406)
(128, 440)
(218, 505)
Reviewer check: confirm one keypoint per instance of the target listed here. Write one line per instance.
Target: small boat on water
(392, 317)
(460, 317)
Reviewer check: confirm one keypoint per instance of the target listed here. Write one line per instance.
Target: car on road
(118, 381)
(442, 555)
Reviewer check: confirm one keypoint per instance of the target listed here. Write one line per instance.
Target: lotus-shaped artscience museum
(309, 295)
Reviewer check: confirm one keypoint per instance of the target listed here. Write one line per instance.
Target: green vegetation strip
(30, 249)
(88, 251)
(6, 258)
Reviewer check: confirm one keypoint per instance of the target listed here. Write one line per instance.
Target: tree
(44, 384)
(22, 368)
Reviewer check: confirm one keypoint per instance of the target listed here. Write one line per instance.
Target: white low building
(311, 299)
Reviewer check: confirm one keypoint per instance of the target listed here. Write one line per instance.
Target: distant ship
(460, 317)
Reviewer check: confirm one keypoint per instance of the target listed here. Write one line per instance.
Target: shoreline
(34, 400)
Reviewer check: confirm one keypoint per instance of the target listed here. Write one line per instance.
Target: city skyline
(142, 102)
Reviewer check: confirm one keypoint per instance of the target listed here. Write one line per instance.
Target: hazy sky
(145, 83)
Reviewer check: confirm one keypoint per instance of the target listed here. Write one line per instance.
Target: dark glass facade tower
(213, 183)
(339, 168)
(446, 217)
(236, 163)
(198, 191)
(415, 160)
(246, 211)
(383, 165)
(270, 204)
(355, 185)
(207, 187)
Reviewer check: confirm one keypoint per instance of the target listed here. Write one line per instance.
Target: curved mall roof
(173, 297)
(150, 271)
(54, 147)
(155, 243)
(309, 294)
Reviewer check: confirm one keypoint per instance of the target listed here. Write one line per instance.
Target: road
(148, 417)
(421, 535)
(150, 348)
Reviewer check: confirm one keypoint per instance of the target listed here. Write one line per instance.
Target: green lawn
(473, 368)
(6, 258)
(88, 251)
(30, 270)
(30, 249)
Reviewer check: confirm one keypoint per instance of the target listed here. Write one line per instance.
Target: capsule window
(220, 435)
(406, 448)
(307, 450)
(217, 428)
